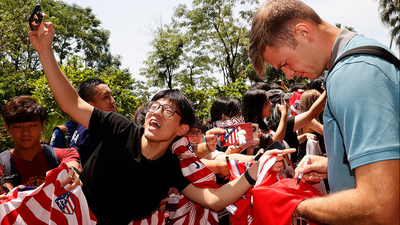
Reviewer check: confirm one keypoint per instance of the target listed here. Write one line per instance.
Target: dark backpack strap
(365, 50)
(368, 50)
(7, 163)
(51, 156)
(9, 168)
(64, 130)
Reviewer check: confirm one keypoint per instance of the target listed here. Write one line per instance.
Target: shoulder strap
(7, 163)
(64, 130)
(369, 50)
(51, 156)
(9, 168)
(366, 50)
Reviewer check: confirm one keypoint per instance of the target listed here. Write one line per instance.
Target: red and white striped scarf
(188, 212)
(47, 204)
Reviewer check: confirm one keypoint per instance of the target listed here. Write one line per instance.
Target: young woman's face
(267, 109)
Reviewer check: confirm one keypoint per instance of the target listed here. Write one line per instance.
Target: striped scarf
(50, 203)
(188, 212)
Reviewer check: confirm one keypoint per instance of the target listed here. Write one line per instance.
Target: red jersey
(33, 173)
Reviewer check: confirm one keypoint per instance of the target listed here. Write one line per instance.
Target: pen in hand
(301, 174)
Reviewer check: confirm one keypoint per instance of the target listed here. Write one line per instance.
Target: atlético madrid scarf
(47, 204)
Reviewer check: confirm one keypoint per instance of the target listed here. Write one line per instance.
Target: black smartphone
(36, 17)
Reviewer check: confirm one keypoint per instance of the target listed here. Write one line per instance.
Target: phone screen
(36, 18)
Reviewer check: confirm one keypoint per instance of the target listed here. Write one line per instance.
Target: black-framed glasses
(166, 110)
(195, 133)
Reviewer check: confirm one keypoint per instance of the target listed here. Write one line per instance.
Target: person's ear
(184, 128)
(44, 123)
(302, 30)
(224, 117)
(6, 126)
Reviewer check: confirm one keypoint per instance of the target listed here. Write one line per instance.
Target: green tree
(164, 60)
(78, 31)
(81, 47)
(390, 15)
(220, 30)
(203, 98)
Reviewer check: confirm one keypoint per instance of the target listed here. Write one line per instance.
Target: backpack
(365, 50)
(64, 130)
(9, 168)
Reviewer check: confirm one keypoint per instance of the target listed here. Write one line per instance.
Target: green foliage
(203, 98)
(164, 59)
(78, 31)
(390, 15)
(47, 132)
(220, 31)
(5, 141)
(119, 82)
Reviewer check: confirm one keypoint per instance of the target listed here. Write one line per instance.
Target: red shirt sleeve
(67, 154)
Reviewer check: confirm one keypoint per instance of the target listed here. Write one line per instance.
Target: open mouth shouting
(154, 123)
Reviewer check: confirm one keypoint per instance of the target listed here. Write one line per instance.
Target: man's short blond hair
(273, 26)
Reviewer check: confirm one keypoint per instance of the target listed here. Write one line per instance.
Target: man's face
(160, 128)
(195, 136)
(301, 62)
(26, 135)
(103, 99)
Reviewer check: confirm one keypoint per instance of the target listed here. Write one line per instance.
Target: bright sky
(129, 22)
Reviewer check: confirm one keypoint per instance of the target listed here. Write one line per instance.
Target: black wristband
(74, 169)
(249, 178)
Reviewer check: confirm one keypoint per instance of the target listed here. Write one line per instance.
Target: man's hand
(43, 37)
(313, 172)
(4, 196)
(212, 139)
(278, 164)
(72, 176)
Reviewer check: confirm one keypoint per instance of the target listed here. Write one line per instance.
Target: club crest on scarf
(66, 203)
(231, 135)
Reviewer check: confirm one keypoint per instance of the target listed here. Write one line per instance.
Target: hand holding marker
(301, 174)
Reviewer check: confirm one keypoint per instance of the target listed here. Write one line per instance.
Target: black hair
(140, 114)
(253, 105)
(183, 104)
(22, 109)
(261, 85)
(297, 86)
(86, 90)
(252, 108)
(317, 84)
(227, 106)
